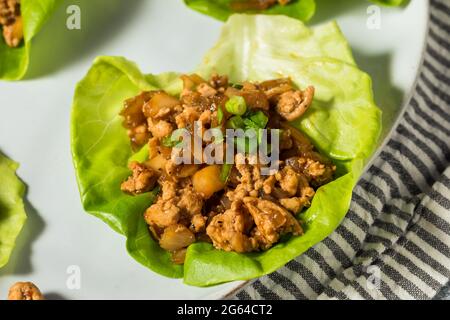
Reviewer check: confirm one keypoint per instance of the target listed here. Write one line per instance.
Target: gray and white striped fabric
(395, 241)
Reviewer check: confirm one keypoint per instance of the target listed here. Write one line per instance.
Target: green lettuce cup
(14, 61)
(223, 9)
(302, 10)
(343, 123)
(12, 211)
(390, 3)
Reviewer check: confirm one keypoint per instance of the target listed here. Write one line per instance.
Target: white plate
(160, 36)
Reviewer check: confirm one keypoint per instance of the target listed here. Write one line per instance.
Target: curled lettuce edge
(220, 9)
(390, 3)
(12, 210)
(101, 149)
(14, 61)
(303, 10)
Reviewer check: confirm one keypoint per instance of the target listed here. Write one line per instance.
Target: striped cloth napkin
(395, 240)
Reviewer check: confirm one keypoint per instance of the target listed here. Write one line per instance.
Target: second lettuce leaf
(12, 212)
(14, 61)
(390, 3)
(221, 9)
(302, 10)
(344, 123)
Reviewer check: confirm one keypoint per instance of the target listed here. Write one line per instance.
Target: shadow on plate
(56, 47)
(53, 296)
(388, 98)
(20, 261)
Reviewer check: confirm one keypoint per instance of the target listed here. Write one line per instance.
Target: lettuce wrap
(221, 9)
(12, 212)
(14, 61)
(391, 3)
(343, 123)
(299, 9)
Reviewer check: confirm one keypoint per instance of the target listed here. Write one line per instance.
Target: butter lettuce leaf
(14, 61)
(101, 151)
(221, 9)
(391, 3)
(343, 122)
(12, 212)
(302, 10)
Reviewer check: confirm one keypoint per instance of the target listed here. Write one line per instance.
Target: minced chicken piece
(11, 22)
(244, 211)
(25, 291)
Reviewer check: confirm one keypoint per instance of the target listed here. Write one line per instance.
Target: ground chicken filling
(25, 291)
(11, 22)
(234, 207)
(245, 5)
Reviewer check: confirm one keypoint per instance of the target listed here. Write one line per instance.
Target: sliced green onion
(174, 139)
(168, 142)
(156, 190)
(260, 119)
(256, 120)
(236, 86)
(250, 124)
(235, 122)
(236, 105)
(219, 115)
(225, 172)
